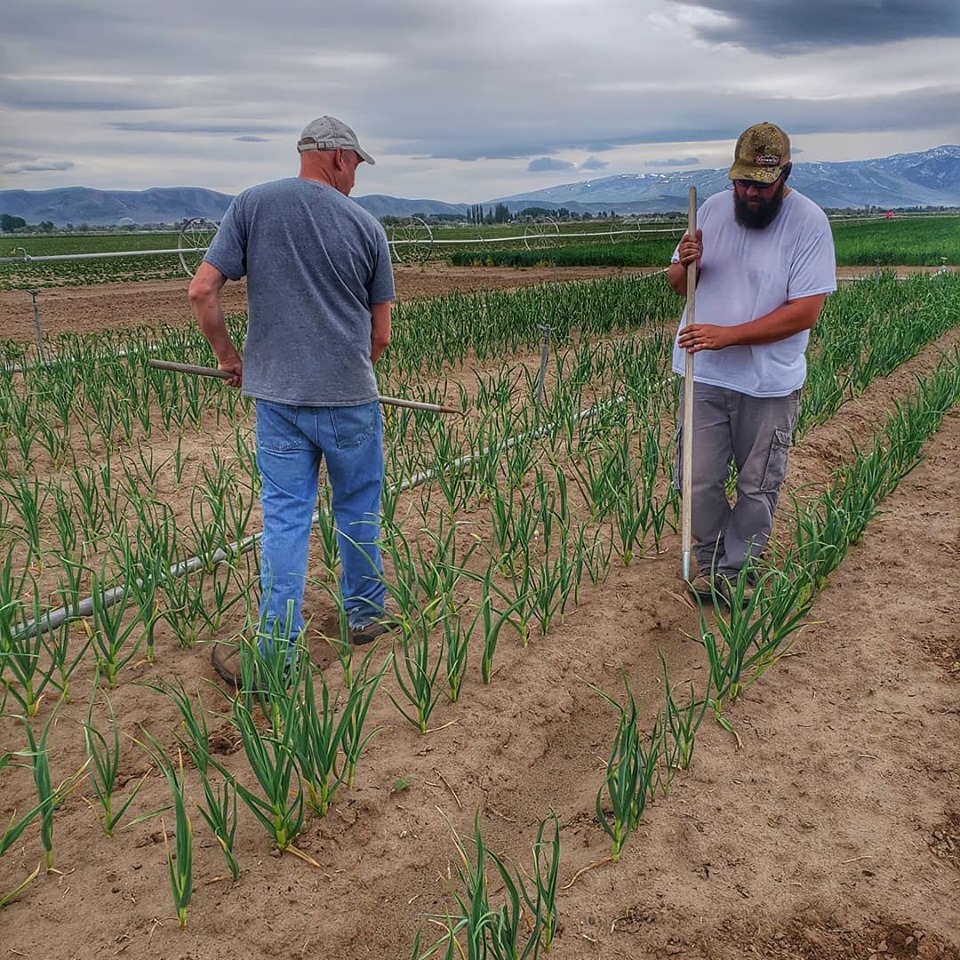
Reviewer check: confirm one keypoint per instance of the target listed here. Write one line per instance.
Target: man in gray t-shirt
(319, 292)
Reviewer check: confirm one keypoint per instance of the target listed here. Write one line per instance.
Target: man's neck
(316, 177)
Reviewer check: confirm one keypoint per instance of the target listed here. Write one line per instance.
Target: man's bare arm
(793, 317)
(379, 329)
(208, 312)
(690, 250)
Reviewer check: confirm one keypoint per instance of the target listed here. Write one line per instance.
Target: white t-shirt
(746, 274)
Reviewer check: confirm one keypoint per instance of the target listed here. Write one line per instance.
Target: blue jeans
(291, 442)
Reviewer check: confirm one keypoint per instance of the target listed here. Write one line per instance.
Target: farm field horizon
(827, 826)
(874, 241)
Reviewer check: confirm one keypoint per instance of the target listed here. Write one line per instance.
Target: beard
(759, 212)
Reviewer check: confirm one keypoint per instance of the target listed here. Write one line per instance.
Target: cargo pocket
(776, 468)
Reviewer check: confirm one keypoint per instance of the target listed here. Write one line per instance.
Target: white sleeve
(814, 267)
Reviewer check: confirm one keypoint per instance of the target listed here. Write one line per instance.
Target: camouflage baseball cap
(762, 152)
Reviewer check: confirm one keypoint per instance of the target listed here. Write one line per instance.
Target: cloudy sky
(460, 100)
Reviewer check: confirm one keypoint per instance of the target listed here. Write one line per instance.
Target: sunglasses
(745, 185)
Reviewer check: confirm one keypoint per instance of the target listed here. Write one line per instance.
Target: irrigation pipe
(641, 228)
(686, 468)
(84, 608)
(104, 255)
(465, 241)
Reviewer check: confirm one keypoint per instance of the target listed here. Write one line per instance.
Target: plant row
(314, 737)
(560, 489)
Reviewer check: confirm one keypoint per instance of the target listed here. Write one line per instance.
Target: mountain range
(928, 178)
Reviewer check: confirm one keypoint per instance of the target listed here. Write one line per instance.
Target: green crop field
(547, 681)
(23, 273)
(899, 241)
(59, 244)
(903, 240)
(923, 241)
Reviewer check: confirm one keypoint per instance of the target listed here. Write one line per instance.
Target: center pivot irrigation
(224, 375)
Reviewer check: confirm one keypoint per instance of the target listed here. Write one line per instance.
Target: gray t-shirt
(315, 261)
(746, 274)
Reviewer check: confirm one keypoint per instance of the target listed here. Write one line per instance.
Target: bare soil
(830, 831)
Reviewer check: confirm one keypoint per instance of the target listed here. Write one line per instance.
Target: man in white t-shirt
(765, 265)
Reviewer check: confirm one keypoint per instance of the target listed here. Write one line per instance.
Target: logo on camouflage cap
(762, 152)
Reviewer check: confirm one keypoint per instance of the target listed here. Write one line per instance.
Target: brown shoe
(360, 636)
(225, 658)
(704, 587)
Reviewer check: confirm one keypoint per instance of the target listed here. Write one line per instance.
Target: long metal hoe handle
(686, 466)
(225, 375)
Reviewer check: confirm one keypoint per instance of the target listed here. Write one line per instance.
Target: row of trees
(11, 224)
(478, 214)
(500, 213)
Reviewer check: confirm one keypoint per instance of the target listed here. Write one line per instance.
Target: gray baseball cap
(329, 133)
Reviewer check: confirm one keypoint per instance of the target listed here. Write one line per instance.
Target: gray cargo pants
(754, 434)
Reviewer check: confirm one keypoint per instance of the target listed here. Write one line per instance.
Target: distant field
(58, 244)
(82, 272)
(920, 240)
(519, 231)
(900, 241)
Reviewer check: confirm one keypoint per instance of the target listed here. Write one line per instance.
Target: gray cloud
(44, 94)
(682, 162)
(236, 130)
(458, 98)
(35, 166)
(793, 26)
(462, 140)
(542, 164)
